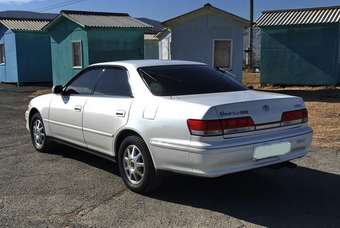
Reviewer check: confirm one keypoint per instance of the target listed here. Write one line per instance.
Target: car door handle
(120, 113)
(77, 108)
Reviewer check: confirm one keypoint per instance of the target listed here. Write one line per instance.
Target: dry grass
(323, 105)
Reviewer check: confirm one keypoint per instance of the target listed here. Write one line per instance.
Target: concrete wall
(62, 35)
(8, 70)
(193, 39)
(115, 44)
(300, 55)
(34, 57)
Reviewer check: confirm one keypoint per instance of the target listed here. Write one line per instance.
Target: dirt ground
(323, 104)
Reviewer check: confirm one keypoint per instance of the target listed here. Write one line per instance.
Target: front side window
(83, 83)
(2, 53)
(113, 82)
(222, 54)
(77, 54)
(175, 80)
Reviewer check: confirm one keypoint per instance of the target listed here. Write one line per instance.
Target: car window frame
(67, 84)
(118, 96)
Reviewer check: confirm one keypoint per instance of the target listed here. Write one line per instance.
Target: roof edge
(26, 19)
(93, 13)
(301, 9)
(208, 6)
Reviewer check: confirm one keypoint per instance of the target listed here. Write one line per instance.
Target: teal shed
(80, 38)
(25, 54)
(300, 46)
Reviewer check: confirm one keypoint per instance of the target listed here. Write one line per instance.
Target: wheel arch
(32, 112)
(125, 133)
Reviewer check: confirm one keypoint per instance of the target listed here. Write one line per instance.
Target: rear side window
(84, 83)
(178, 80)
(113, 82)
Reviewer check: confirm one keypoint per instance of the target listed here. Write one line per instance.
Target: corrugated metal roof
(26, 15)
(24, 25)
(101, 19)
(157, 26)
(324, 15)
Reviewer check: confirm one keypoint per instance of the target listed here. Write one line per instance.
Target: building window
(222, 54)
(2, 54)
(77, 54)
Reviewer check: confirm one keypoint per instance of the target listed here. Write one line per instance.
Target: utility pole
(251, 35)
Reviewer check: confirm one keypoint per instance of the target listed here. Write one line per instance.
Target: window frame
(3, 60)
(67, 84)
(231, 53)
(118, 96)
(81, 54)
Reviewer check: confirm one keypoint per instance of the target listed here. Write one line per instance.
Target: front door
(66, 110)
(107, 110)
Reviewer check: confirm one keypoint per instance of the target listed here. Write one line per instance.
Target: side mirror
(58, 89)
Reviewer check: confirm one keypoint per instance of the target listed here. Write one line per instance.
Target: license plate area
(271, 150)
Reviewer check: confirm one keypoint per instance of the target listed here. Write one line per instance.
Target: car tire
(38, 134)
(136, 166)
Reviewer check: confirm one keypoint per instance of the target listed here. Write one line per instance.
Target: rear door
(107, 110)
(66, 110)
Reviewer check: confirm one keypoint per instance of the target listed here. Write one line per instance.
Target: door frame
(231, 52)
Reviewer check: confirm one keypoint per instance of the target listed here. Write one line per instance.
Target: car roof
(144, 63)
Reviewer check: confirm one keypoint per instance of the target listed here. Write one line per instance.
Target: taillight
(236, 125)
(205, 127)
(220, 127)
(294, 117)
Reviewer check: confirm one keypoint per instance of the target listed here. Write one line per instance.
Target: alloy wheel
(133, 164)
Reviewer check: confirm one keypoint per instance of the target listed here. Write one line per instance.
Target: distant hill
(16, 14)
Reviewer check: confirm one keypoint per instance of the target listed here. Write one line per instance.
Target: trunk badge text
(223, 113)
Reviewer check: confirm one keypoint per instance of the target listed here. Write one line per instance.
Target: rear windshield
(178, 80)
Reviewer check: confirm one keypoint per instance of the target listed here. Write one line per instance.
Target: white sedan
(180, 116)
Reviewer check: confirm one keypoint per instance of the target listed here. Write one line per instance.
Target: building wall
(8, 70)
(34, 57)
(115, 44)
(304, 55)
(151, 49)
(165, 47)
(62, 35)
(193, 40)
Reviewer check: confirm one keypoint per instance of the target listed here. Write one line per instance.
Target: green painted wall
(151, 49)
(115, 44)
(62, 35)
(33, 57)
(99, 45)
(300, 55)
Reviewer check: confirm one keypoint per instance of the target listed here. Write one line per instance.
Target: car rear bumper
(217, 160)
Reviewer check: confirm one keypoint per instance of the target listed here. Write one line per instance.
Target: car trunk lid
(265, 109)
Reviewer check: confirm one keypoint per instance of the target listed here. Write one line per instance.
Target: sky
(159, 9)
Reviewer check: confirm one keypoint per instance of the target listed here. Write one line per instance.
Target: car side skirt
(98, 154)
